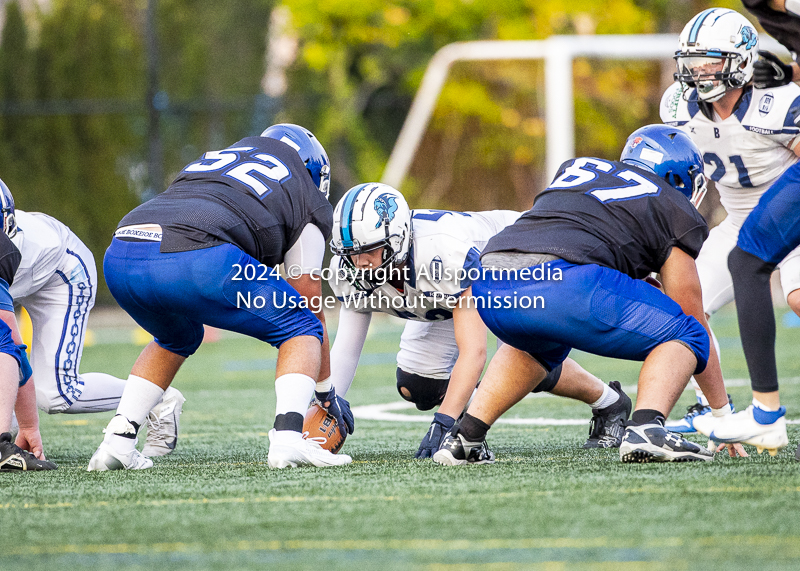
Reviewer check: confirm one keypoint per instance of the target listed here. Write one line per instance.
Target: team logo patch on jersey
(437, 269)
(765, 105)
(385, 206)
(635, 142)
(749, 38)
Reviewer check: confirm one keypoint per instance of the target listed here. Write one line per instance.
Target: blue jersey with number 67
(255, 194)
(607, 213)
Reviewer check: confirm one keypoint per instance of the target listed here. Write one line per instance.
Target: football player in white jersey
(56, 282)
(748, 137)
(418, 265)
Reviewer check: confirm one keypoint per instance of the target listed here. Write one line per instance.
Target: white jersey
(745, 153)
(444, 258)
(42, 240)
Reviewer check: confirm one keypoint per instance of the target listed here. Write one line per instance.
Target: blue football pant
(593, 308)
(171, 295)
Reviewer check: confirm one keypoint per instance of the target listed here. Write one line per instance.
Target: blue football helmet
(310, 150)
(672, 155)
(7, 209)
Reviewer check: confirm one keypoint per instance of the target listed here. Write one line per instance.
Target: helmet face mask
(718, 49)
(8, 211)
(680, 162)
(369, 217)
(310, 150)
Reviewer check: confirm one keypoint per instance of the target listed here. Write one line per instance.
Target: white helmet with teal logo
(371, 216)
(718, 49)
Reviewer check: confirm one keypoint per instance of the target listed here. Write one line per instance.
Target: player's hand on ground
(770, 71)
(735, 449)
(339, 408)
(31, 440)
(436, 433)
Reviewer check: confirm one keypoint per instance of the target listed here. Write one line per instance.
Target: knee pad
(424, 392)
(549, 382)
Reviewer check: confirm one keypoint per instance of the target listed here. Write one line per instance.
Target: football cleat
(290, 449)
(654, 443)
(766, 430)
(458, 451)
(696, 413)
(105, 458)
(797, 453)
(608, 424)
(15, 459)
(162, 424)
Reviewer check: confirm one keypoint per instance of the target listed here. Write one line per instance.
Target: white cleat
(289, 449)
(106, 458)
(743, 427)
(162, 424)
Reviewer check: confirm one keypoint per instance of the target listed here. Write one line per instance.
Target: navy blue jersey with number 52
(607, 213)
(256, 194)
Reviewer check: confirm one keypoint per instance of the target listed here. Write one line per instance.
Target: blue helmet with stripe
(371, 216)
(7, 209)
(310, 150)
(671, 154)
(718, 49)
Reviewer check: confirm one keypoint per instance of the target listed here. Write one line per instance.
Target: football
(323, 428)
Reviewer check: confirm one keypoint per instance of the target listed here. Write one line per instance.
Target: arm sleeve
(346, 351)
(305, 256)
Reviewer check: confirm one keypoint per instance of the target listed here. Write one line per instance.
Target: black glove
(339, 408)
(769, 71)
(436, 433)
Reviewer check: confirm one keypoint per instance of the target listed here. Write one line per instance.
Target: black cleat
(608, 424)
(797, 453)
(15, 459)
(457, 451)
(654, 443)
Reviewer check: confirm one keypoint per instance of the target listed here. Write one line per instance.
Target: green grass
(546, 504)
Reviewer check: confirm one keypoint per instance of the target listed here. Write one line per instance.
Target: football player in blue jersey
(600, 227)
(203, 252)
(17, 392)
(418, 265)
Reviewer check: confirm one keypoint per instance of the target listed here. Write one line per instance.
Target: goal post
(558, 53)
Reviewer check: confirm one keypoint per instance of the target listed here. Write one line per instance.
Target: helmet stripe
(347, 217)
(698, 23)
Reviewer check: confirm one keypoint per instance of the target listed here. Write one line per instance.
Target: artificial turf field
(545, 504)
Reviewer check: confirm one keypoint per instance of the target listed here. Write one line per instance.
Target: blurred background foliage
(74, 109)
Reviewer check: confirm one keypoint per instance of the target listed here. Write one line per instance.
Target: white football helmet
(718, 48)
(7, 211)
(371, 216)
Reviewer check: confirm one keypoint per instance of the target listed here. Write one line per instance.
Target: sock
(609, 397)
(294, 392)
(101, 392)
(138, 398)
(473, 429)
(762, 406)
(646, 416)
